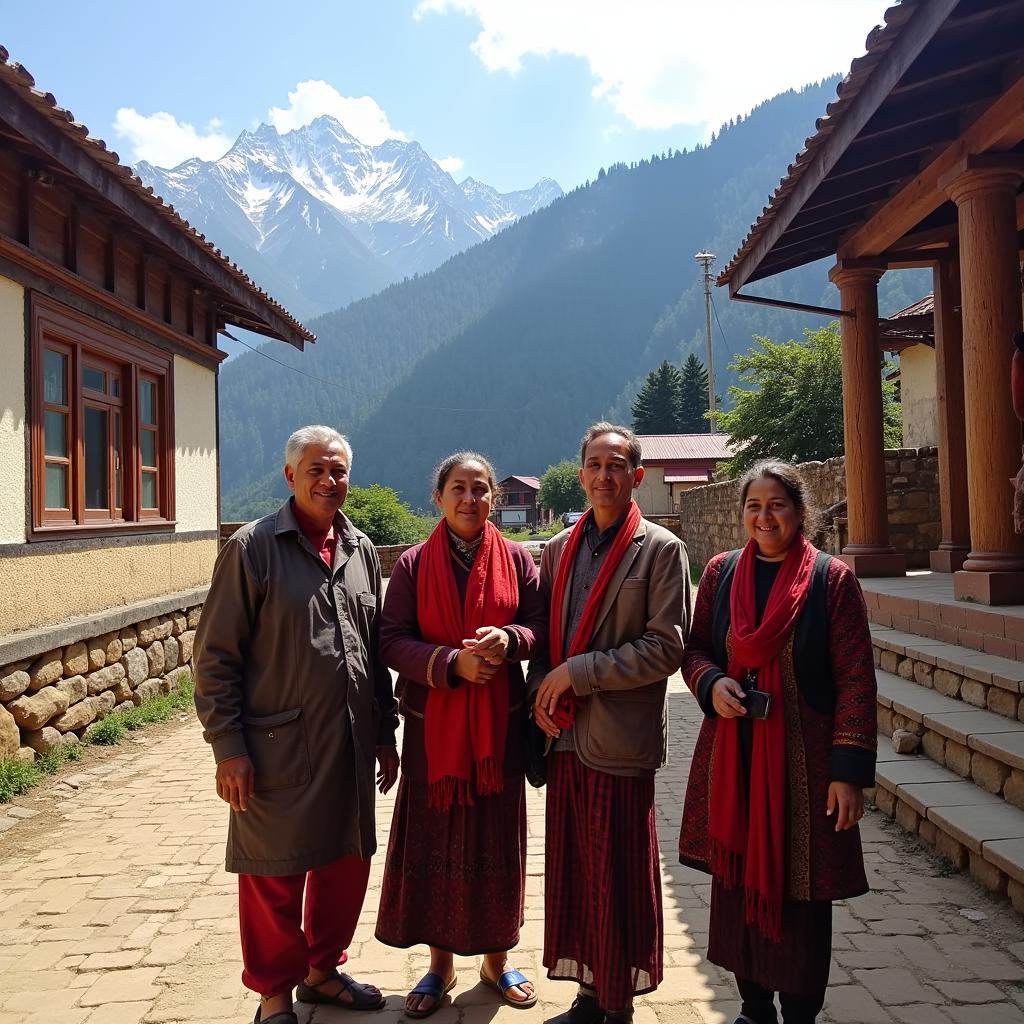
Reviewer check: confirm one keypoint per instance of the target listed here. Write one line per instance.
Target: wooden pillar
(949, 388)
(985, 194)
(867, 551)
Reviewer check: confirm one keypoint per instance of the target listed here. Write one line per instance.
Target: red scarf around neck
(565, 713)
(748, 844)
(464, 728)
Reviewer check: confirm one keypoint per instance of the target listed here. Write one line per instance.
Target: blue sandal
(432, 985)
(510, 979)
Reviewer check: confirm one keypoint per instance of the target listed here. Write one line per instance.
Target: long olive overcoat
(287, 670)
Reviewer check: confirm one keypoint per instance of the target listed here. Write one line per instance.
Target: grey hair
(317, 434)
(604, 427)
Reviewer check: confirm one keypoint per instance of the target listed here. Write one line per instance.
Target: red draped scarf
(465, 727)
(749, 843)
(565, 712)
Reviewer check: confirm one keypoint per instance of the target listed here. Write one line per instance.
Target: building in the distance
(517, 505)
(674, 463)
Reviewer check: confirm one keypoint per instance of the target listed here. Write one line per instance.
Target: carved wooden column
(949, 387)
(867, 551)
(985, 194)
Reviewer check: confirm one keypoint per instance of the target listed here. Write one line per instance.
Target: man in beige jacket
(620, 604)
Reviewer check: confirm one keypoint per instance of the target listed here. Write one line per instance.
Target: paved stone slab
(979, 824)
(923, 795)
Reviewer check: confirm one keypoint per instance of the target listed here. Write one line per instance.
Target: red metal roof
(527, 481)
(18, 77)
(682, 447)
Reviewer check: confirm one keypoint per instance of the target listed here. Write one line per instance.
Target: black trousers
(797, 1008)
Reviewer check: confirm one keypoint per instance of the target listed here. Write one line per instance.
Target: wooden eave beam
(58, 147)
(1000, 126)
(892, 66)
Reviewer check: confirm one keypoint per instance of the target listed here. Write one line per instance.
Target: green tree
(656, 406)
(789, 405)
(693, 397)
(560, 488)
(381, 515)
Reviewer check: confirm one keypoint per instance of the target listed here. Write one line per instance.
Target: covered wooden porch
(919, 163)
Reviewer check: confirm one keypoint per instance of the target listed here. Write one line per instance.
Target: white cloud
(661, 63)
(362, 116)
(165, 141)
(451, 164)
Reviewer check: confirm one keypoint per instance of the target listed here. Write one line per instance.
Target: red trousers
(281, 939)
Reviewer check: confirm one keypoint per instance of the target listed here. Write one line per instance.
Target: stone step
(968, 826)
(923, 604)
(981, 680)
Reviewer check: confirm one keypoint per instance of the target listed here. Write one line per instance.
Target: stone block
(885, 720)
(889, 661)
(77, 717)
(885, 801)
(987, 874)
(907, 817)
(13, 683)
(179, 623)
(1013, 789)
(126, 705)
(934, 746)
(171, 652)
(905, 669)
(112, 648)
(988, 773)
(33, 711)
(135, 664)
(25, 754)
(122, 691)
(192, 618)
(103, 704)
(129, 638)
(69, 739)
(43, 740)
(1016, 893)
(76, 688)
(1002, 702)
(958, 758)
(176, 678)
(946, 682)
(106, 678)
(185, 642)
(151, 630)
(923, 673)
(46, 669)
(901, 722)
(10, 735)
(76, 659)
(97, 653)
(973, 692)
(155, 659)
(927, 831)
(146, 691)
(905, 742)
(948, 847)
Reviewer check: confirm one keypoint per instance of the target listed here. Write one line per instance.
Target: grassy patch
(17, 777)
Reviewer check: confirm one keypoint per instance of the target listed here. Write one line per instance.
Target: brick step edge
(985, 631)
(996, 864)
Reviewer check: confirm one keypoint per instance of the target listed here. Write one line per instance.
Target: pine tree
(656, 406)
(693, 397)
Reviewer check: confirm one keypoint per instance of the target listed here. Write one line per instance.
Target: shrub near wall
(710, 519)
(53, 699)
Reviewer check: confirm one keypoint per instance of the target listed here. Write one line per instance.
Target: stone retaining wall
(53, 698)
(710, 517)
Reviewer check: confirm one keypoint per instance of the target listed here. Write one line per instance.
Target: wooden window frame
(89, 342)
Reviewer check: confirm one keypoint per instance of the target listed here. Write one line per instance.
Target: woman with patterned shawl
(462, 611)
(772, 803)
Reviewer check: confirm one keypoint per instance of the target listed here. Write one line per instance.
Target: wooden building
(919, 163)
(110, 306)
(517, 505)
(674, 463)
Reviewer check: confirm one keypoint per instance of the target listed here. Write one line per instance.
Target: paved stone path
(114, 909)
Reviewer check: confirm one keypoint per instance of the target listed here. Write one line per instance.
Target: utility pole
(707, 259)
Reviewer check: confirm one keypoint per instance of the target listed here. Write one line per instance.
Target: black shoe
(584, 1010)
(618, 1016)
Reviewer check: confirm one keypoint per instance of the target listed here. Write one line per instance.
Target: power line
(720, 331)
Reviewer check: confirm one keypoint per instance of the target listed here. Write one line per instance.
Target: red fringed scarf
(565, 713)
(749, 843)
(464, 728)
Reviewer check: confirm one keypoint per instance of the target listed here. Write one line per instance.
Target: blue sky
(507, 91)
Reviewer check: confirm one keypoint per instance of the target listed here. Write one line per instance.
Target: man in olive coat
(296, 705)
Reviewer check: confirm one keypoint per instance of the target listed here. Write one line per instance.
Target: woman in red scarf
(462, 611)
(773, 802)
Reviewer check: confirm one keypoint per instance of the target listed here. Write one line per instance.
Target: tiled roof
(530, 481)
(921, 307)
(680, 447)
(16, 76)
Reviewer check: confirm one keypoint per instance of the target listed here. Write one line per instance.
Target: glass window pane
(56, 486)
(55, 433)
(118, 469)
(147, 401)
(54, 377)
(97, 459)
(149, 448)
(93, 379)
(149, 490)
(115, 386)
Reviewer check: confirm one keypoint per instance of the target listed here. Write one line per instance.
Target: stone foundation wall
(52, 698)
(710, 519)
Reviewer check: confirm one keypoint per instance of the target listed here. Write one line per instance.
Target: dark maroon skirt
(455, 879)
(798, 964)
(602, 890)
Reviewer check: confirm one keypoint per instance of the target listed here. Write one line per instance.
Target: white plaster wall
(12, 412)
(652, 495)
(195, 443)
(918, 396)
